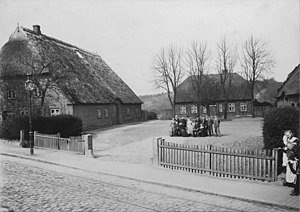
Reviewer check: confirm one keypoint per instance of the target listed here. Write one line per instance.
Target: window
(194, 109)
(37, 93)
(182, 109)
(54, 112)
(23, 111)
(127, 111)
(106, 112)
(204, 110)
(11, 94)
(220, 108)
(231, 107)
(243, 106)
(99, 114)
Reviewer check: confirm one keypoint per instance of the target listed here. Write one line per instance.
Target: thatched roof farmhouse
(76, 81)
(289, 93)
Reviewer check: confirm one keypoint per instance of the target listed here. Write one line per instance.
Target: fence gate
(218, 161)
(73, 144)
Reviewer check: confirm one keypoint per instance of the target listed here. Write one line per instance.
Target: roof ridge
(288, 77)
(57, 41)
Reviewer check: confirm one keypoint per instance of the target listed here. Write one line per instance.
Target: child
(173, 127)
(287, 139)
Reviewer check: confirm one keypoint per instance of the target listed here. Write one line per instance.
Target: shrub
(151, 115)
(276, 121)
(66, 125)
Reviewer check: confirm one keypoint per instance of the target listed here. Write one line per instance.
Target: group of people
(204, 126)
(290, 161)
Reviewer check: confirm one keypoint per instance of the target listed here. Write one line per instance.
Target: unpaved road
(133, 143)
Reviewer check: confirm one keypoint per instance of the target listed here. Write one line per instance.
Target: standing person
(217, 126)
(196, 129)
(291, 151)
(173, 127)
(205, 126)
(176, 125)
(189, 126)
(210, 126)
(293, 166)
(287, 138)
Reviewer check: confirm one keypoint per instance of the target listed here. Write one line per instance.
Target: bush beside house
(66, 125)
(275, 123)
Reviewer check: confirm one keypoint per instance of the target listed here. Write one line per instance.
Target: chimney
(37, 29)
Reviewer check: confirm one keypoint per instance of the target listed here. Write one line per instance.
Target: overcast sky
(128, 33)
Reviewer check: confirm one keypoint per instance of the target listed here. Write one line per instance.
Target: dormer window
(79, 55)
(11, 94)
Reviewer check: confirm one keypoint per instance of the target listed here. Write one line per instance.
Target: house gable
(291, 84)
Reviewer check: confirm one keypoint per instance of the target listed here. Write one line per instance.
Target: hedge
(276, 122)
(151, 115)
(66, 125)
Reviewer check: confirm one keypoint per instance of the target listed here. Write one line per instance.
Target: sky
(128, 34)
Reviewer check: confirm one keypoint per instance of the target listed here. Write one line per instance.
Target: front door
(212, 110)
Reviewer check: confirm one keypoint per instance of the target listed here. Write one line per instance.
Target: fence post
(155, 152)
(57, 140)
(88, 139)
(276, 163)
(34, 138)
(210, 155)
(159, 157)
(21, 137)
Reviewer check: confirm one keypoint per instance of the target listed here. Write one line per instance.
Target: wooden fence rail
(56, 142)
(218, 161)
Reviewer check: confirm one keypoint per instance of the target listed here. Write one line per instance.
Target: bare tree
(168, 72)
(197, 63)
(256, 61)
(43, 65)
(210, 89)
(225, 64)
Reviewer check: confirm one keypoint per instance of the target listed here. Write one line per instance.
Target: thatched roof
(239, 90)
(84, 77)
(291, 84)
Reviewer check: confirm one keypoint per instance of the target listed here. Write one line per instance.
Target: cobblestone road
(33, 186)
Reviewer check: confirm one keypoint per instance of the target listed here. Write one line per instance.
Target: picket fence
(75, 144)
(218, 161)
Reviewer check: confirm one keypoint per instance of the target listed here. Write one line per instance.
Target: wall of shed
(91, 119)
